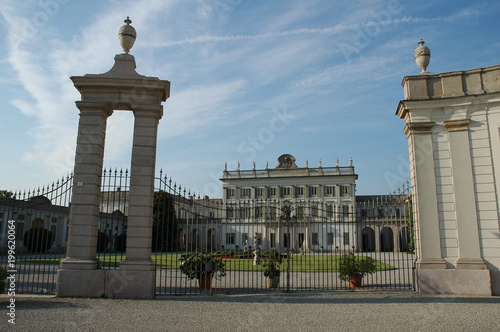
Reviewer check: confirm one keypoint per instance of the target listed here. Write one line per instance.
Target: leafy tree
(6, 194)
(38, 240)
(164, 223)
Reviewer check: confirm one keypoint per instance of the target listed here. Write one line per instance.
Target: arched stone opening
(368, 239)
(386, 240)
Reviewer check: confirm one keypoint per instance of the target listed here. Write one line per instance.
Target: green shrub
(202, 263)
(352, 265)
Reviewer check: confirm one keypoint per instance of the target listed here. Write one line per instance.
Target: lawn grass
(298, 263)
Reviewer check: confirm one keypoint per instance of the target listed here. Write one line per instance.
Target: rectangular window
(272, 212)
(230, 213)
(313, 191)
(329, 210)
(230, 193)
(300, 212)
(258, 212)
(346, 239)
(272, 192)
(315, 211)
(230, 238)
(345, 210)
(330, 191)
(244, 212)
(260, 192)
(314, 239)
(285, 240)
(300, 191)
(245, 192)
(273, 240)
(329, 239)
(285, 192)
(345, 191)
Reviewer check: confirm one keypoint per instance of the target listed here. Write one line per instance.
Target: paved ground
(278, 311)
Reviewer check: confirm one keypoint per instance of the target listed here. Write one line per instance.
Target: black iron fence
(306, 240)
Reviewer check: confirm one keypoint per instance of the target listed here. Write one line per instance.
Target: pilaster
(140, 218)
(465, 200)
(86, 196)
(426, 206)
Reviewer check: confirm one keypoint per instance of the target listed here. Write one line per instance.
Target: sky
(250, 80)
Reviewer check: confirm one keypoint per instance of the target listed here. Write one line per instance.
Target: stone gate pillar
(121, 88)
(452, 125)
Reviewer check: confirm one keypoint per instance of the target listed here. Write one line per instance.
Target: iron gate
(310, 241)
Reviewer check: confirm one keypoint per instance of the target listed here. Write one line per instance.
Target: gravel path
(277, 311)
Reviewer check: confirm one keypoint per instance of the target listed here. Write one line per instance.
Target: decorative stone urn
(127, 35)
(422, 56)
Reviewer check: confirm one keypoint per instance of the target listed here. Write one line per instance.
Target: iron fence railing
(310, 239)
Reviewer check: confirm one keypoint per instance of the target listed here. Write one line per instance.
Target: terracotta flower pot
(205, 281)
(355, 280)
(273, 282)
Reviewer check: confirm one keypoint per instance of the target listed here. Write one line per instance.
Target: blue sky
(250, 80)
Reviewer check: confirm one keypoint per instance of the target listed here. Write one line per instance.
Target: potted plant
(271, 269)
(353, 268)
(203, 265)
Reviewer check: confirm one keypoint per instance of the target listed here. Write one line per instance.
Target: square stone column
(465, 202)
(140, 213)
(423, 176)
(78, 275)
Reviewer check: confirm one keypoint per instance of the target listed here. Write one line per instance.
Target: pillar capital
(141, 110)
(457, 125)
(94, 108)
(418, 127)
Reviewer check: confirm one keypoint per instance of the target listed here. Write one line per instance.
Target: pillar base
(137, 265)
(471, 264)
(122, 284)
(431, 264)
(80, 283)
(454, 281)
(79, 264)
(113, 284)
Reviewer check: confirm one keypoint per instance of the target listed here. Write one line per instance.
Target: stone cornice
(457, 125)
(418, 127)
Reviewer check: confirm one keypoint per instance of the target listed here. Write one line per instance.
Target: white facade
(453, 128)
(323, 199)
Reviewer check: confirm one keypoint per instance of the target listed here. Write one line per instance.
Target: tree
(6, 194)
(164, 237)
(38, 240)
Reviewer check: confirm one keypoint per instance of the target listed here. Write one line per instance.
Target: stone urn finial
(422, 56)
(127, 35)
